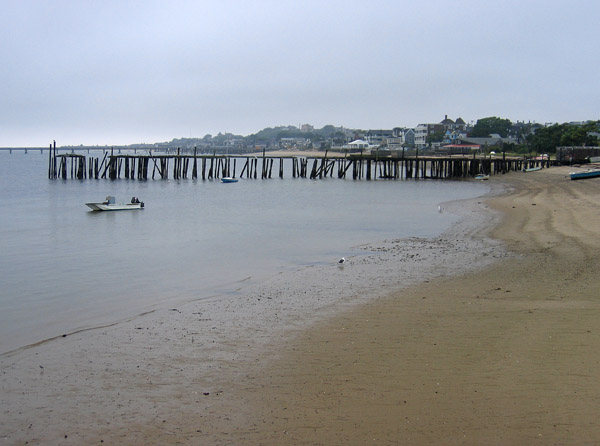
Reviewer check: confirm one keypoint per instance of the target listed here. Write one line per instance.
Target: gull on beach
(342, 261)
(439, 208)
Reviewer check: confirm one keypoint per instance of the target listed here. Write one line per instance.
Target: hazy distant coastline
(486, 134)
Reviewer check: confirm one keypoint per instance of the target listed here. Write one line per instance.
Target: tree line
(529, 137)
(536, 137)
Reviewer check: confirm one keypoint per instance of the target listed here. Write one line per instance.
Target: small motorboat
(111, 205)
(482, 176)
(590, 173)
(229, 180)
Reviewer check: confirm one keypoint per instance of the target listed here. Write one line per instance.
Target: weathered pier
(318, 166)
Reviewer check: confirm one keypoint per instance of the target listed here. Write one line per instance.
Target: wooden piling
(369, 167)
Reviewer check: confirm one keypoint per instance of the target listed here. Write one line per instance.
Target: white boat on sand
(110, 205)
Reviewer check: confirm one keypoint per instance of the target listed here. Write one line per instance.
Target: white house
(358, 144)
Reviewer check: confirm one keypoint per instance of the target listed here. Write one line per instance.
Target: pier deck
(315, 166)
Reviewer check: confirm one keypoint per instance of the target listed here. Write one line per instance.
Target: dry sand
(507, 353)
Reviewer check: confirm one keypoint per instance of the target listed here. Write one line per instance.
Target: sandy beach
(507, 355)
(487, 334)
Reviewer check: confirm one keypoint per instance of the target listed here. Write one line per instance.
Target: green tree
(547, 139)
(573, 136)
(486, 126)
(339, 138)
(327, 131)
(435, 137)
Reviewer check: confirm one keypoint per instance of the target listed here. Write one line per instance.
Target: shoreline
(279, 307)
(179, 376)
(365, 253)
(499, 356)
(110, 373)
(77, 291)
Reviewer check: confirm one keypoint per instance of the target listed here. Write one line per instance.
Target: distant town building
(493, 140)
(422, 131)
(294, 143)
(409, 138)
(379, 137)
(394, 143)
(404, 137)
(453, 136)
(458, 125)
(357, 144)
(447, 127)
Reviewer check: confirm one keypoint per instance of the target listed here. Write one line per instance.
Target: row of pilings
(207, 167)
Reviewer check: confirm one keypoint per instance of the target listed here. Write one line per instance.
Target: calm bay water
(64, 268)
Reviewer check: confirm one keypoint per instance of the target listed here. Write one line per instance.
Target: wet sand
(499, 345)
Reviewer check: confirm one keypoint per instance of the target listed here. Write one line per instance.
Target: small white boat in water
(482, 176)
(110, 205)
(229, 180)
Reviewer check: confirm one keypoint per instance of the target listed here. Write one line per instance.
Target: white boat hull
(114, 207)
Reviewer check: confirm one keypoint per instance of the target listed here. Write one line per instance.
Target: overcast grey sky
(121, 72)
